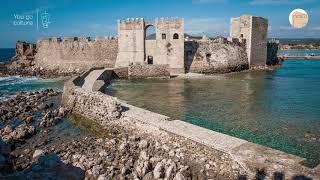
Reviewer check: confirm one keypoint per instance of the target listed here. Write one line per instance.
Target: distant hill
(306, 41)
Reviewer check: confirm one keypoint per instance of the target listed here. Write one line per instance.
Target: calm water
(279, 109)
(316, 52)
(6, 54)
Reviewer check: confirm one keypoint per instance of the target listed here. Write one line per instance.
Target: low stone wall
(148, 71)
(75, 54)
(95, 105)
(92, 105)
(215, 56)
(120, 73)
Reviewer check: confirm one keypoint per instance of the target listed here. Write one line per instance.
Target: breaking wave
(9, 86)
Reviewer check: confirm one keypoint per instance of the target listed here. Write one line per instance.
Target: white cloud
(316, 28)
(207, 26)
(279, 2)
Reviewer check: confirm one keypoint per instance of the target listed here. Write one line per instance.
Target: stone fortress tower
(167, 48)
(254, 30)
(169, 53)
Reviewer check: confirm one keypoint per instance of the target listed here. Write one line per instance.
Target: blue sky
(98, 17)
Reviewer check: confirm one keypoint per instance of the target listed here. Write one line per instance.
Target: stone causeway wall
(90, 104)
(148, 71)
(216, 56)
(107, 110)
(76, 54)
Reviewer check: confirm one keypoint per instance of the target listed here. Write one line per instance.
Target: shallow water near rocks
(278, 109)
(11, 85)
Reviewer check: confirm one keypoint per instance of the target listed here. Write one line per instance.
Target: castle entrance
(150, 44)
(150, 59)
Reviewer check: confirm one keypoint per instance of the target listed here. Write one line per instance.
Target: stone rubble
(121, 155)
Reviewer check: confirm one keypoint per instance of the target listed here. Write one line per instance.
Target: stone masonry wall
(272, 53)
(215, 56)
(148, 71)
(254, 29)
(75, 54)
(93, 105)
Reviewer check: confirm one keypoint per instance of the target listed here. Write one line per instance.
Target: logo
(45, 19)
(298, 18)
(37, 19)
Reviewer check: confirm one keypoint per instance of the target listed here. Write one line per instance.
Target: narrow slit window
(164, 36)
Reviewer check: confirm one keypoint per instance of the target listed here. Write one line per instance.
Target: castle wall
(134, 49)
(75, 54)
(131, 42)
(259, 42)
(148, 71)
(215, 56)
(254, 30)
(272, 53)
(151, 50)
(169, 50)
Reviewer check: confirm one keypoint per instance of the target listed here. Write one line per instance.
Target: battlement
(169, 19)
(224, 40)
(131, 24)
(74, 39)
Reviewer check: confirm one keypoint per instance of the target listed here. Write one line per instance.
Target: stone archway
(150, 40)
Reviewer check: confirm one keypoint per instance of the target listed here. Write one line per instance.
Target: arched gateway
(166, 48)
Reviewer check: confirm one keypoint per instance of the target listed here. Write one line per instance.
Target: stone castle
(170, 51)
(167, 48)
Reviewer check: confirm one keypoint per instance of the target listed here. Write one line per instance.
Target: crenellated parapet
(68, 54)
(82, 39)
(174, 22)
(221, 40)
(131, 24)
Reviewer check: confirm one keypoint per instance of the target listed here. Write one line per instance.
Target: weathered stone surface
(212, 56)
(94, 105)
(272, 55)
(148, 71)
(75, 55)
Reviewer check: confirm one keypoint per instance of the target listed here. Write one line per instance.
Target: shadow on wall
(262, 175)
(79, 81)
(190, 49)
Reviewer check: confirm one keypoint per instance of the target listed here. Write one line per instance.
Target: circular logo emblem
(298, 18)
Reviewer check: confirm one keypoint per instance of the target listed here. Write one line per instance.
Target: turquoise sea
(279, 109)
(9, 86)
(6, 54)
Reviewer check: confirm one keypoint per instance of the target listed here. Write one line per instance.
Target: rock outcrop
(215, 56)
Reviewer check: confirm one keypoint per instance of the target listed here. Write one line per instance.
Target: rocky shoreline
(26, 151)
(42, 140)
(31, 147)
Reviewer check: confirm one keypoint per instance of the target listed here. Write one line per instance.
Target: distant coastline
(300, 44)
